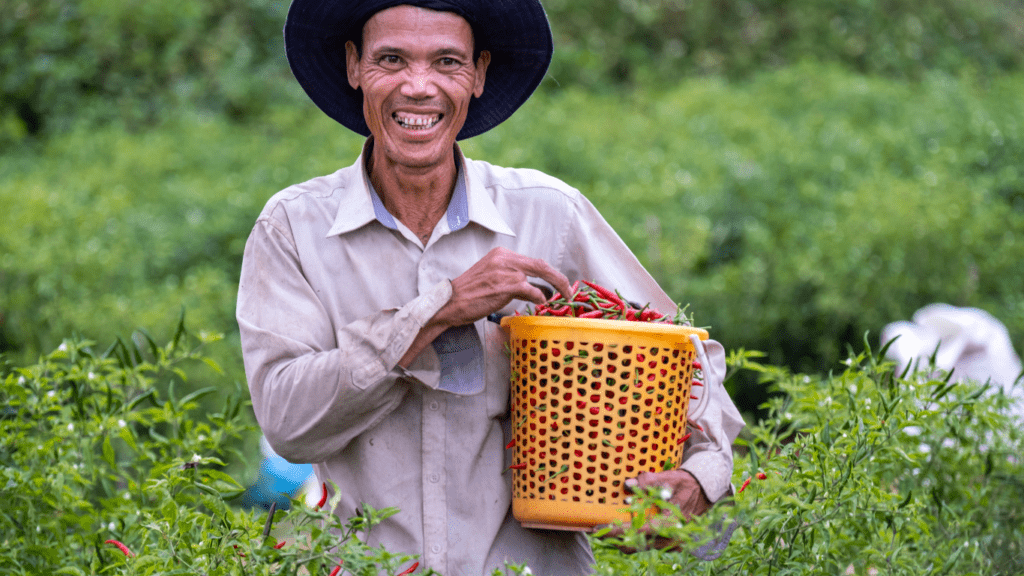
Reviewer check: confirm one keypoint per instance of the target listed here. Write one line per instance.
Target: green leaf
(197, 395)
(108, 453)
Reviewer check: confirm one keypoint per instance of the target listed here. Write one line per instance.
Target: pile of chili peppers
(590, 300)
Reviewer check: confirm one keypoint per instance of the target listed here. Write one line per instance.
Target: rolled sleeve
(314, 386)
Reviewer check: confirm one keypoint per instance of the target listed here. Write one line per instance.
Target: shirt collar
(470, 202)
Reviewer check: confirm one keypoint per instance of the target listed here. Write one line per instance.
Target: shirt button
(436, 548)
(435, 478)
(434, 406)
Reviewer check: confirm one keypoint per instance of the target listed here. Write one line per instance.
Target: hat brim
(515, 32)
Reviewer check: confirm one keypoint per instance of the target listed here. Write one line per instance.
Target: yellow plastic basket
(594, 402)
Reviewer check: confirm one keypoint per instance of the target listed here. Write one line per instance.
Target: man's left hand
(686, 493)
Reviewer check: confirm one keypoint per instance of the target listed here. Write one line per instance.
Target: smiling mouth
(417, 121)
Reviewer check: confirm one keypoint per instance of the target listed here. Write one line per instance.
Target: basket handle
(705, 367)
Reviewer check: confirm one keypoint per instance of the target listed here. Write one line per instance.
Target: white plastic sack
(971, 343)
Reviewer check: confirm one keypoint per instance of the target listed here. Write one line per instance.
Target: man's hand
(488, 286)
(686, 493)
(498, 278)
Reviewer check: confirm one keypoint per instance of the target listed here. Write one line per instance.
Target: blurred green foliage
(131, 59)
(111, 230)
(649, 42)
(97, 60)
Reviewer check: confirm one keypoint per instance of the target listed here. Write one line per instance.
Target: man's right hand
(488, 286)
(497, 279)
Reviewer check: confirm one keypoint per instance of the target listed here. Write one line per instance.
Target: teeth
(417, 122)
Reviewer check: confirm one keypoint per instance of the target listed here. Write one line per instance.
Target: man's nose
(419, 83)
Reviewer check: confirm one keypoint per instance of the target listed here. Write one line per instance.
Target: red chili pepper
(605, 293)
(409, 570)
(336, 570)
(279, 545)
(564, 310)
(124, 549)
(744, 486)
(761, 475)
(685, 438)
(510, 444)
(521, 466)
(592, 314)
(323, 497)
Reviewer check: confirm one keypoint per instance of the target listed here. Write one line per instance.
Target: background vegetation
(801, 173)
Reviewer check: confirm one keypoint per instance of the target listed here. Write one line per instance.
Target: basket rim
(646, 328)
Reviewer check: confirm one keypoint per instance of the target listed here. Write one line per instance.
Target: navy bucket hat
(515, 32)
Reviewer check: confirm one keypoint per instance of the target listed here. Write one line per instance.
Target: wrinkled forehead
(435, 17)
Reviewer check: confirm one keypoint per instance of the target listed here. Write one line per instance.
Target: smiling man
(364, 293)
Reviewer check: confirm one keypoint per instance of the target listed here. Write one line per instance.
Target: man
(364, 293)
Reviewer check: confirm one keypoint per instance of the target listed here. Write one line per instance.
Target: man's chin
(419, 154)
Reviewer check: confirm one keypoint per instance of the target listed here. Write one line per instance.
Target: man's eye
(390, 59)
(448, 62)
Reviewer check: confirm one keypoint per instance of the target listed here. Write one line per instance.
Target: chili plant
(863, 471)
(104, 469)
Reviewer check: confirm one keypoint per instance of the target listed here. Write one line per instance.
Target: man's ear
(352, 64)
(481, 72)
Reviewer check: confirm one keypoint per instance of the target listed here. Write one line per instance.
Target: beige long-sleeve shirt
(333, 292)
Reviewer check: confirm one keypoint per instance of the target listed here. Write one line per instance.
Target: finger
(538, 268)
(547, 292)
(529, 292)
(646, 480)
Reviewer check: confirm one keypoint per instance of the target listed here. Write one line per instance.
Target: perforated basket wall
(594, 402)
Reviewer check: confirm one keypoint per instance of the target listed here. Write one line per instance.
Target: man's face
(417, 76)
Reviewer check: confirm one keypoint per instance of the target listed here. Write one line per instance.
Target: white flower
(71, 427)
(526, 570)
(21, 379)
(201, 437)
(111, 526)
(121, 423)
(51, 394)
(127, 496)
(63, 347)
(197, 458)
(665, 494)
(92, 375)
